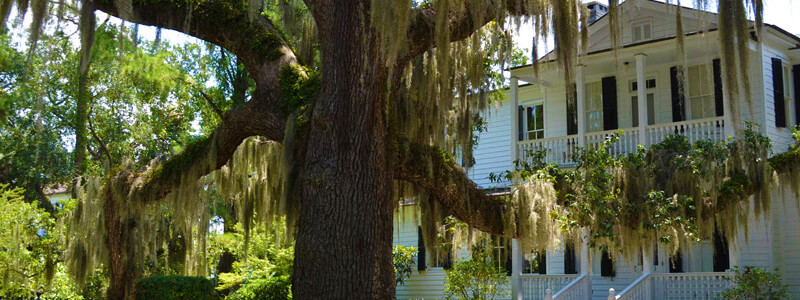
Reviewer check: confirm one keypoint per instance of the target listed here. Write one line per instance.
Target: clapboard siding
(493, 153)
(427, 284)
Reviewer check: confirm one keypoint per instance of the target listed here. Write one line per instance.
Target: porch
(560, 150)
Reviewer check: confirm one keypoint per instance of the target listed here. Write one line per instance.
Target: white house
(634, 89)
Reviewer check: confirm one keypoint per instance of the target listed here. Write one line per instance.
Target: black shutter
(796, 74)
(509, 257)
(421, 263)
(572, 115)
(722, 260)
(676, 263)
(678, 99)
(520, 121)
(610, 103)
(718, 88)
(569, 260)
(542, 262)
(777, 91)
(606, 265)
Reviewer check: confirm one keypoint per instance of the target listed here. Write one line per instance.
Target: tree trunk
(123, 267)
(343, 248)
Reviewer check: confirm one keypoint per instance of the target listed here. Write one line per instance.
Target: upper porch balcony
(560, 150)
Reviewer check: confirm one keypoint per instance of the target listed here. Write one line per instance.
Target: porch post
(586, 266)
(647, 268)
(514, 118)
(640, 95)
(580, 91)
(516, 270)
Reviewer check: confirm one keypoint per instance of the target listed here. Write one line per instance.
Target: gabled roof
(598, 24)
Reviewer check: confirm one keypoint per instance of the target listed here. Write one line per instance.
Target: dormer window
(642, 31)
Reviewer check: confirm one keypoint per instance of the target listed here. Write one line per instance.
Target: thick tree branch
(476, 14)
(441, 177)
(204, 156)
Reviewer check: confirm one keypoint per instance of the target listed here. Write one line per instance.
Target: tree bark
(343, 248)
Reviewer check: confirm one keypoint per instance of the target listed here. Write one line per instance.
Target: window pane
(650, 83)
(647, 32)
(637, 33)
(697, 108)
(531, 121)
(709, 110)
(539, 116)
(786, 82)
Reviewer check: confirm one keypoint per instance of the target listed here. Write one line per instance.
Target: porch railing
(675, 286)
(534, 286)
(640, 289)
(577, 289)
(561, 149)
(704, 129)
(697, 285)
(557, 150)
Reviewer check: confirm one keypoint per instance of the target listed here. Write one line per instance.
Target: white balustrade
(627, 142)
(697, 285)
(558, 150)
(640, 289)
(535, 286)
(574, 290)
(704, 129)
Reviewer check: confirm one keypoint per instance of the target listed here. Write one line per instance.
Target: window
(701, 93)
(570, 260)
(594, 107)
(534, 116)
(642, 31)
(787, 93)
(536, 265)
(501, 252)
(650, 93)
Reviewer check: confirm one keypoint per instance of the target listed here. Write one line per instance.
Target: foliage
(403, 258)
(670, 192)
(263, 265)
(175, 287)
(475, 278)
(756, 283)
(272, 288)
(29, 261)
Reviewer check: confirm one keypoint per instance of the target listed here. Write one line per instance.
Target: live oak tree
(393, 96)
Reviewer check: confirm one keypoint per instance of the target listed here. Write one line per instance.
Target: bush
(273, 288)
(175, 287)
(403, 258)
(476, 278)
(756, 283)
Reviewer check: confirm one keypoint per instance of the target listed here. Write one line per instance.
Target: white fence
(534, 286)
(675, 286)
(561, 149)
(578, 289)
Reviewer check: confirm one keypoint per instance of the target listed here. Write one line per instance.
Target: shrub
(175, 287)
(476, 278)
(273, 288)
(403, 258)
(756, 283)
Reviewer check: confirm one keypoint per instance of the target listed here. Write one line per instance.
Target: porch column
(514, 118)
(586, 265)
(580, 91)
(640, 95)
(647, 268)
(516, 270)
